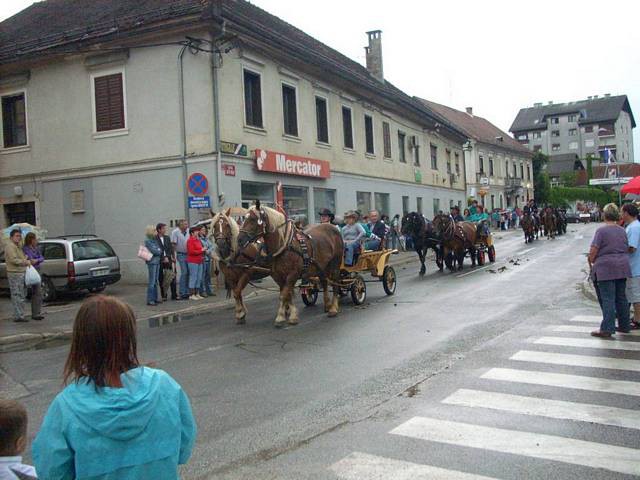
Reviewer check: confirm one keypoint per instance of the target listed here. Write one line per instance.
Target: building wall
(135, 178)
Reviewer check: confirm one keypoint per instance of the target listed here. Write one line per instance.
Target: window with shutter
(109, 102)
(386, 137)
(14, 120)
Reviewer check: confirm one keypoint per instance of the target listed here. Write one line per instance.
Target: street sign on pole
(200, 202)
(610, 181)
(197, 184)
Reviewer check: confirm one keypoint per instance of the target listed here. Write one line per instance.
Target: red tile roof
(477, 128)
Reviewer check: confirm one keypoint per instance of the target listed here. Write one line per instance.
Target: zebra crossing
(600, 354)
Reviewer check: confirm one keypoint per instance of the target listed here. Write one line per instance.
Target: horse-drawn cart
(484, 248)
(352, 281)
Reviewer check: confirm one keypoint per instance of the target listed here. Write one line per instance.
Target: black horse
(424, 237)
(561, 221)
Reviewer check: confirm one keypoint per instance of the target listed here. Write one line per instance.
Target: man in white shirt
(179, 237)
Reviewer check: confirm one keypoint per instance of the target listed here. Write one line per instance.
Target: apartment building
(601, 126)
(498, 169)
(138, 112)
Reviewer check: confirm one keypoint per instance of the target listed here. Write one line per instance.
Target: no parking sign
(197, 184)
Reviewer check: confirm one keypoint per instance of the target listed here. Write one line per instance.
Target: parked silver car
(71, 263)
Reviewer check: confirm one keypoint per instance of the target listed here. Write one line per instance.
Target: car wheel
(48, 290)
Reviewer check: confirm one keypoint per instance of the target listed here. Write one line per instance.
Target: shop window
(252, 191)
(323, 198)
(289, 110)
(24, 212)
(14, 121)
(368, 134)
(252, 99)
(296, 203)
(347, 128)
(419, 205)
(382, 203)
(322, 121)
(363, 201)
(386, 139)
(405, 205)
(402, 152)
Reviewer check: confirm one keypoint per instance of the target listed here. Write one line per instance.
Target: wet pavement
(294, 403)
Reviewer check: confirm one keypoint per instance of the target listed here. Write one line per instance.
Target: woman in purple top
(32, 252)
(609, 262)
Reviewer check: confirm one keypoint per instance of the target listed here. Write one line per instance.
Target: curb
(586, 288)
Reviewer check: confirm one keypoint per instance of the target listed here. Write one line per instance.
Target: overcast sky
(496, 56)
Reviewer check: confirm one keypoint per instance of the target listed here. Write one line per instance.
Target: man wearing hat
(352, 234)
(326, 216)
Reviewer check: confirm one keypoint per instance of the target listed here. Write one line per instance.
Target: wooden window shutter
(109, 102)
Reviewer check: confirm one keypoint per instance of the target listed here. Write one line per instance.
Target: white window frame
(353, 138)
(254, 71)
(17, 148)
(326, 99)
(295, 89)
(103, 73)
(373, 133)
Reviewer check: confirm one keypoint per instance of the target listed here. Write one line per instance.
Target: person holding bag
(153, 265)
(17, 264)
(32, 252)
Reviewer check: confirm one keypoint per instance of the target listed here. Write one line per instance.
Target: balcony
(513, 182)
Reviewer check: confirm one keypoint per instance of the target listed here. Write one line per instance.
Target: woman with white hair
(609, 262)
(153, 264)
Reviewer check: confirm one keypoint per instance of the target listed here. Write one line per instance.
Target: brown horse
(457, 238)
(528, 225)
(238, 267)
(315, 253)
(549, 222)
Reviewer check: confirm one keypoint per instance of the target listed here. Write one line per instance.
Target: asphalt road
(404, 385)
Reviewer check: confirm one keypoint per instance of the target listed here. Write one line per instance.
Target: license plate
(99, 273)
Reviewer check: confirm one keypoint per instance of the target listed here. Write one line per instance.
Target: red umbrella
(633, 186)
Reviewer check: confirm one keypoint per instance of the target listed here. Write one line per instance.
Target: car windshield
(91, 249)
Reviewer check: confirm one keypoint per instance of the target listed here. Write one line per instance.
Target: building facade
(163, 114)
(498, 169)
(599, 126)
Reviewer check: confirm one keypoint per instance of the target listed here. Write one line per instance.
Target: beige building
(154, 115)
(499, 170)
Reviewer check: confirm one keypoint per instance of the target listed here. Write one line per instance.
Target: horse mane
(275, 219)
(233, 225)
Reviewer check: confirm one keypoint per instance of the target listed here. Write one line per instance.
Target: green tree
(568, 179)
(540, 178)
(589, 160)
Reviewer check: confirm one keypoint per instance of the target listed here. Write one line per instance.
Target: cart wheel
(389, 280)
(492, 253)
(480, 257)
(358, 290)
(309, 296)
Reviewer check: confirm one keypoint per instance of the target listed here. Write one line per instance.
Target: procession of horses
(549, 223)
(260, 241)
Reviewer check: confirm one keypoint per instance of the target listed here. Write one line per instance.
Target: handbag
(144, 253)
(31, 277)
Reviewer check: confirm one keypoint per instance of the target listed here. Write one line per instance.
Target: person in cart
(352, 234)
(326, 216)
(455, 214)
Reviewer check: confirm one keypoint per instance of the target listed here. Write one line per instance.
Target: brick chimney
(374, 54)
(470, 110)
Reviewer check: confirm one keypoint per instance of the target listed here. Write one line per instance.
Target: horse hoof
(332, 314)
(293, 322)
(279, 324)
(241, 321)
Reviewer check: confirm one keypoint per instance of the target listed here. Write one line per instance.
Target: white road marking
(587, 318)
(590, 343)
(525, 251)
(578, 382)
(582, 329)
(581, 412)
(476, 269)
(362, 466)
(577, 360)
(548, 447)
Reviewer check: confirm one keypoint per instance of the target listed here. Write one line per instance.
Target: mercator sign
(267, 161)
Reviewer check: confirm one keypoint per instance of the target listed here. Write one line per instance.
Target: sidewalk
(59, 315)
